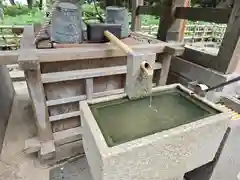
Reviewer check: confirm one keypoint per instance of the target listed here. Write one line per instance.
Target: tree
(1, 11)
(30, 4)
(12, 2)
(205, 3)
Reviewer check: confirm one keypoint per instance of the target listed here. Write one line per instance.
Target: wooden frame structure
(226, 60)
(58, 79)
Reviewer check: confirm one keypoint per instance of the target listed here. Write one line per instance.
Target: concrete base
(165, 155)
(6, 98)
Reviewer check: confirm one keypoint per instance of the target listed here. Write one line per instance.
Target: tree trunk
(30, 4)
(12, 2)
(41, 4)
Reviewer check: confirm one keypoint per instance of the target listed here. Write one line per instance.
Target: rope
(46, 25)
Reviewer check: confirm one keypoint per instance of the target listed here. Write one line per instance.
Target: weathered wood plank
(66, 100)
(217, 15)
(167, 20)
(151, 10)
(108, 93)
(226, 61)
(32, 145)
(67, 136)
(174, 31)
(89, 88)
(9, 57)
(82, 97)
(82, 74)
(199, 57)
(47, 151)
(102, 51)
(166, 61)
(29, 62)
(64, 116)
(136, 20)
(194, 72)
(87, 73)
(36, 92)
(63, 137)
(85, 52)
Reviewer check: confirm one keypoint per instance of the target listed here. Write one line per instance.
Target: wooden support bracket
(29, 62)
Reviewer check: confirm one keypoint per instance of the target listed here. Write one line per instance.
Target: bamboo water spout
(146, 69)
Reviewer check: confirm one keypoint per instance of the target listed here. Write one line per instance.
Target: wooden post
(227, 56)
(166, 20)
(170, 28)
(183, 24)
(136, 20)
(166, 62)
(29, 62)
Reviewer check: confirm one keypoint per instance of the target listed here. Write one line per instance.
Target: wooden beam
(194, 72)
(66, 100)
(60, 138)
(29, 62)
(136, 20)
(86, 73)
(64, 116)
(227, 60)
(9, 57)
(82, 74)
(166, 61)
(83, 97)
(200, 57)
(203, 14)
(69, 135)
(174, 31)
(151, 10)
(182, 24)
(86, 51)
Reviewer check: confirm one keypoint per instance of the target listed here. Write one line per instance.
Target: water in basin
(125, 120)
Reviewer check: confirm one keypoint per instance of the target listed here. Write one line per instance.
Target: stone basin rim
(105, 150)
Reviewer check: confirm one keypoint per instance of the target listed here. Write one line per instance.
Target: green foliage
(205, 3)
(29, 18)
(148, 20)
(17, 10)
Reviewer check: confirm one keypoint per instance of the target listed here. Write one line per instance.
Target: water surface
(124, 120)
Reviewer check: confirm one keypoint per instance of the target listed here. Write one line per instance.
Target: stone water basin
(161, 138)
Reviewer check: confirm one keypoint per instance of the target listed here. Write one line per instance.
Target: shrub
(17, 10)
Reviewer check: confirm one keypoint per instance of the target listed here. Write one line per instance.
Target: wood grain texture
(89, 88)
(88, 51)
(166, 62)
(85, 74)
(67, 136)
(29, 62)
(156, 10)
(200, 57)
(215, 15)
(166, 21)
(226, 63)
(36, 92)
(136, 20)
